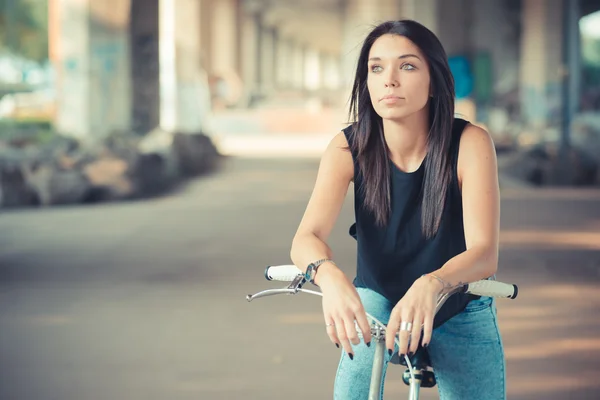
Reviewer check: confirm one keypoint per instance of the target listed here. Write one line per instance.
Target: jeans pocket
(483, 303)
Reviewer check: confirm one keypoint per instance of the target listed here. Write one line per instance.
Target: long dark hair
(369, 142)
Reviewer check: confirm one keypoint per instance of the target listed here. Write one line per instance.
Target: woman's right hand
(341, 307)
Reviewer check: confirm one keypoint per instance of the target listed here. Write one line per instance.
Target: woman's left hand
(417, 307)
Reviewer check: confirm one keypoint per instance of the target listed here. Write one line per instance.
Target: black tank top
(391, 258)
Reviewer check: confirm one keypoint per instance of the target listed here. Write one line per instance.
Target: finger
(351, 330)
(415, 335)
(404, 334)
(427, 329)
(331, 331)
(403, 338)
(343, 335)
(365, 327)
(391, 330)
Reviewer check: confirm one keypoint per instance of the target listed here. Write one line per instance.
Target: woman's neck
(407, 140)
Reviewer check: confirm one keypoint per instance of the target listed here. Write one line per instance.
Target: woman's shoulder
(465, 131)
(338, 157)
(470, 133)
(475, 145)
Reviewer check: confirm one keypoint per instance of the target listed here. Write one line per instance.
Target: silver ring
(406, 326)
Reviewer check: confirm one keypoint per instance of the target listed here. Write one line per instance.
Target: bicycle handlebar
(489, 288)
(285, 273)
(291, 273)
(492, 289)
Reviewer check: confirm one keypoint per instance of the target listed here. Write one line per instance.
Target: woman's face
(398, 77)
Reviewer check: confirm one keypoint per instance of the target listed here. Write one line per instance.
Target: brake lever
(293, 288)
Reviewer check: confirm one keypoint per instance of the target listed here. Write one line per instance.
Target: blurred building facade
(124, 65)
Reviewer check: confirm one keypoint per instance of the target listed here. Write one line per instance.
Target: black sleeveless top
(391, 258)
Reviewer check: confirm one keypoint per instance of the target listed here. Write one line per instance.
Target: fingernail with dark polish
(368, 344)
(337, 345)
(390, 352)
(351, 356)
(425, 345)
(410, 354)
(402, 355)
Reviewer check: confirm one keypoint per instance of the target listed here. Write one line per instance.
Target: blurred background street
(156, 155)
(147, 300)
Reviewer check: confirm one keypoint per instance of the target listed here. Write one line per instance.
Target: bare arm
(478, 174)
(341, 303)
(336, 171)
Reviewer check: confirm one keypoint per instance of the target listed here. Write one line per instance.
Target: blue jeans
(466, 353)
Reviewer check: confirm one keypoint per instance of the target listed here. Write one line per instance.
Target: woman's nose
(391, 80)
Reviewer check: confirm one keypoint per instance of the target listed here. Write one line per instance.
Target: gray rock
(196, 153)
(122, 167)
(55, 186)
(544, 165)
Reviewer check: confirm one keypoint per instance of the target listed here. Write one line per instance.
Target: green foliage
(24, 28)
(32, 130)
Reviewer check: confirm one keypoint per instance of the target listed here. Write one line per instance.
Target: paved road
(146, 300)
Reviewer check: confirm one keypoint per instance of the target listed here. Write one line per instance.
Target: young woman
(427, 219)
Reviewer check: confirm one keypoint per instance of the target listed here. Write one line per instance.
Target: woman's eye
(408, 67)
(375, 68)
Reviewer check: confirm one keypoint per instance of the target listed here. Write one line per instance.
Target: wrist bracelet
(443, 282)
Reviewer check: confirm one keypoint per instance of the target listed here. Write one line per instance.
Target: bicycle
(419, 372)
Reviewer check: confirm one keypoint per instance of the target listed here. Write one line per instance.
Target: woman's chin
(394, 114)
(399, 113)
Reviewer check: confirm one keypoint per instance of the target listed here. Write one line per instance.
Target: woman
(427, 219)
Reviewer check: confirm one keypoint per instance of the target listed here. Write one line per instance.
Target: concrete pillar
(359, 18)
(495, 32)
(298, 65)
(284, 55)
(224, 37)
(573, 61)
(453, 28)
(144, 71)
(312, 68)
(183, 82)
(541, 62)
(250, 57)
(424, 12)
(330, 70)
(89, 50)
(224, 56)
(267, 59)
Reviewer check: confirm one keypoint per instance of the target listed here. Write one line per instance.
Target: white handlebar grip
(493, 289)
(286, 273)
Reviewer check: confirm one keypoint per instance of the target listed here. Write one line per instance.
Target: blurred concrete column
(359, 18)
(250, 54)
(267, 60)
(224, 37)
(89, 49)
(283, 64)
(185, 100)
(144, 65)
(330, 71)
(541, 63)
(423, 11)
(453, 29)
(298, 65)
(312, 68)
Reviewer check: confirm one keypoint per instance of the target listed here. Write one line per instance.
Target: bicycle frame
(377, 332)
